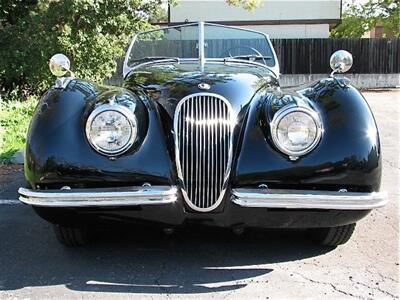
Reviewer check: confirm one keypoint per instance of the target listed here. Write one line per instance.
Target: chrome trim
(122, 110)
(155, 195)
(341, 61)
(201, 166)
(204, 86)
(302, 199)
(201, 46)
(280, 114)
(230, 61)
(62, 82)
(60, 65)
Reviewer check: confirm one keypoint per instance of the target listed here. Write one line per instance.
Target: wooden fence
(297, 56)
(311, 56)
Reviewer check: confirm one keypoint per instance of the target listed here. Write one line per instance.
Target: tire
(333, 236)
(70, 236)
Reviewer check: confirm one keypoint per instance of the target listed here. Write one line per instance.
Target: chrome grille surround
(203, 126)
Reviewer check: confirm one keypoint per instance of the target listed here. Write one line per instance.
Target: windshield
(179, 42)
(182, 42)
(229, 42)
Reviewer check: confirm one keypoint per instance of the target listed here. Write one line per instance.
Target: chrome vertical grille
(203, 140)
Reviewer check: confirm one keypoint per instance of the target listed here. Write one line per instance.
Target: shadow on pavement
(141, 260)
(11, 178)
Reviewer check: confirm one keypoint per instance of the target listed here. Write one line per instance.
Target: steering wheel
(228, 51)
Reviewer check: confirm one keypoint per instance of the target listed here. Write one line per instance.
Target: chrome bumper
(159, 195)
(155, 195)
(300, 199)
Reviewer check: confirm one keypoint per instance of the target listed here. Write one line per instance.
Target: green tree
(93, 33)
(247, 4)
(359, 19)
(13, 10)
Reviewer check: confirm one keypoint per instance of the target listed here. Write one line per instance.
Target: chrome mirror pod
(60, 65)
(341, 61)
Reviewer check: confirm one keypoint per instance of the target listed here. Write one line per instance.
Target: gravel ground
(208, 264)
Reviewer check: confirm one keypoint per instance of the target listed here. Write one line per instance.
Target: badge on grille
(204, 86)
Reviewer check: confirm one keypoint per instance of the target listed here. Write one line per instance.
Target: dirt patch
(11, 178)
(9, 169)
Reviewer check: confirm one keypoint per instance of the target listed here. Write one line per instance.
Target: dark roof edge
(262, 22)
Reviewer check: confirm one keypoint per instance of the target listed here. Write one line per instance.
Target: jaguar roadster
(202, 133)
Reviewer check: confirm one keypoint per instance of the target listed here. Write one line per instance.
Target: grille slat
(221, 143)
(203, 132)
(213, 189)
(209, 148)
(197, 147)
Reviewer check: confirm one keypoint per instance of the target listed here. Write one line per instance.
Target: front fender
(347, 157)
(58, 153)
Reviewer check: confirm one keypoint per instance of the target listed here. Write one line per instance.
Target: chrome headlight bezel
(130, 117)
(285, 111)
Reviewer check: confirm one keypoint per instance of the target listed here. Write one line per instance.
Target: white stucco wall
(270, 10)
(297, 31)
(219, 10)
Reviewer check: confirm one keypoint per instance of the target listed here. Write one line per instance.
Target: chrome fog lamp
(296, 130)
(111, 129)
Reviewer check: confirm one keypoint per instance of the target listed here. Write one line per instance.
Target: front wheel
(71, 237)
(333, 236)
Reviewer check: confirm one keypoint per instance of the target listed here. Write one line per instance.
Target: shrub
(92, 33)
(14, 121)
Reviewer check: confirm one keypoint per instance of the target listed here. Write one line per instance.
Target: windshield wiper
(249, 62)
(251, 57)
(149, 58)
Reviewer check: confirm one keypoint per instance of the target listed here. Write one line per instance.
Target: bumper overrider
(167, 195)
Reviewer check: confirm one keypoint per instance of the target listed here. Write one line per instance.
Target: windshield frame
(202, 60)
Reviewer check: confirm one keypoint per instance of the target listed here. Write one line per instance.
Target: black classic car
(201, 133)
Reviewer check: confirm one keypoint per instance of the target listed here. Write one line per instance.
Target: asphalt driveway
(146, 264)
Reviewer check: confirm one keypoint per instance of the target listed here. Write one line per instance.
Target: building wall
(300, 31)
(278, 18)
(296, 31)
(219, 10)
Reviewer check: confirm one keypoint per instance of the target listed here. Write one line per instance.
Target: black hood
(169, 83)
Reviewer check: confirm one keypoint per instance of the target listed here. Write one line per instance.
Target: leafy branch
(359, 19)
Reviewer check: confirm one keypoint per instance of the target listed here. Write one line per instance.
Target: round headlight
(111, 129)
(296, 130)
